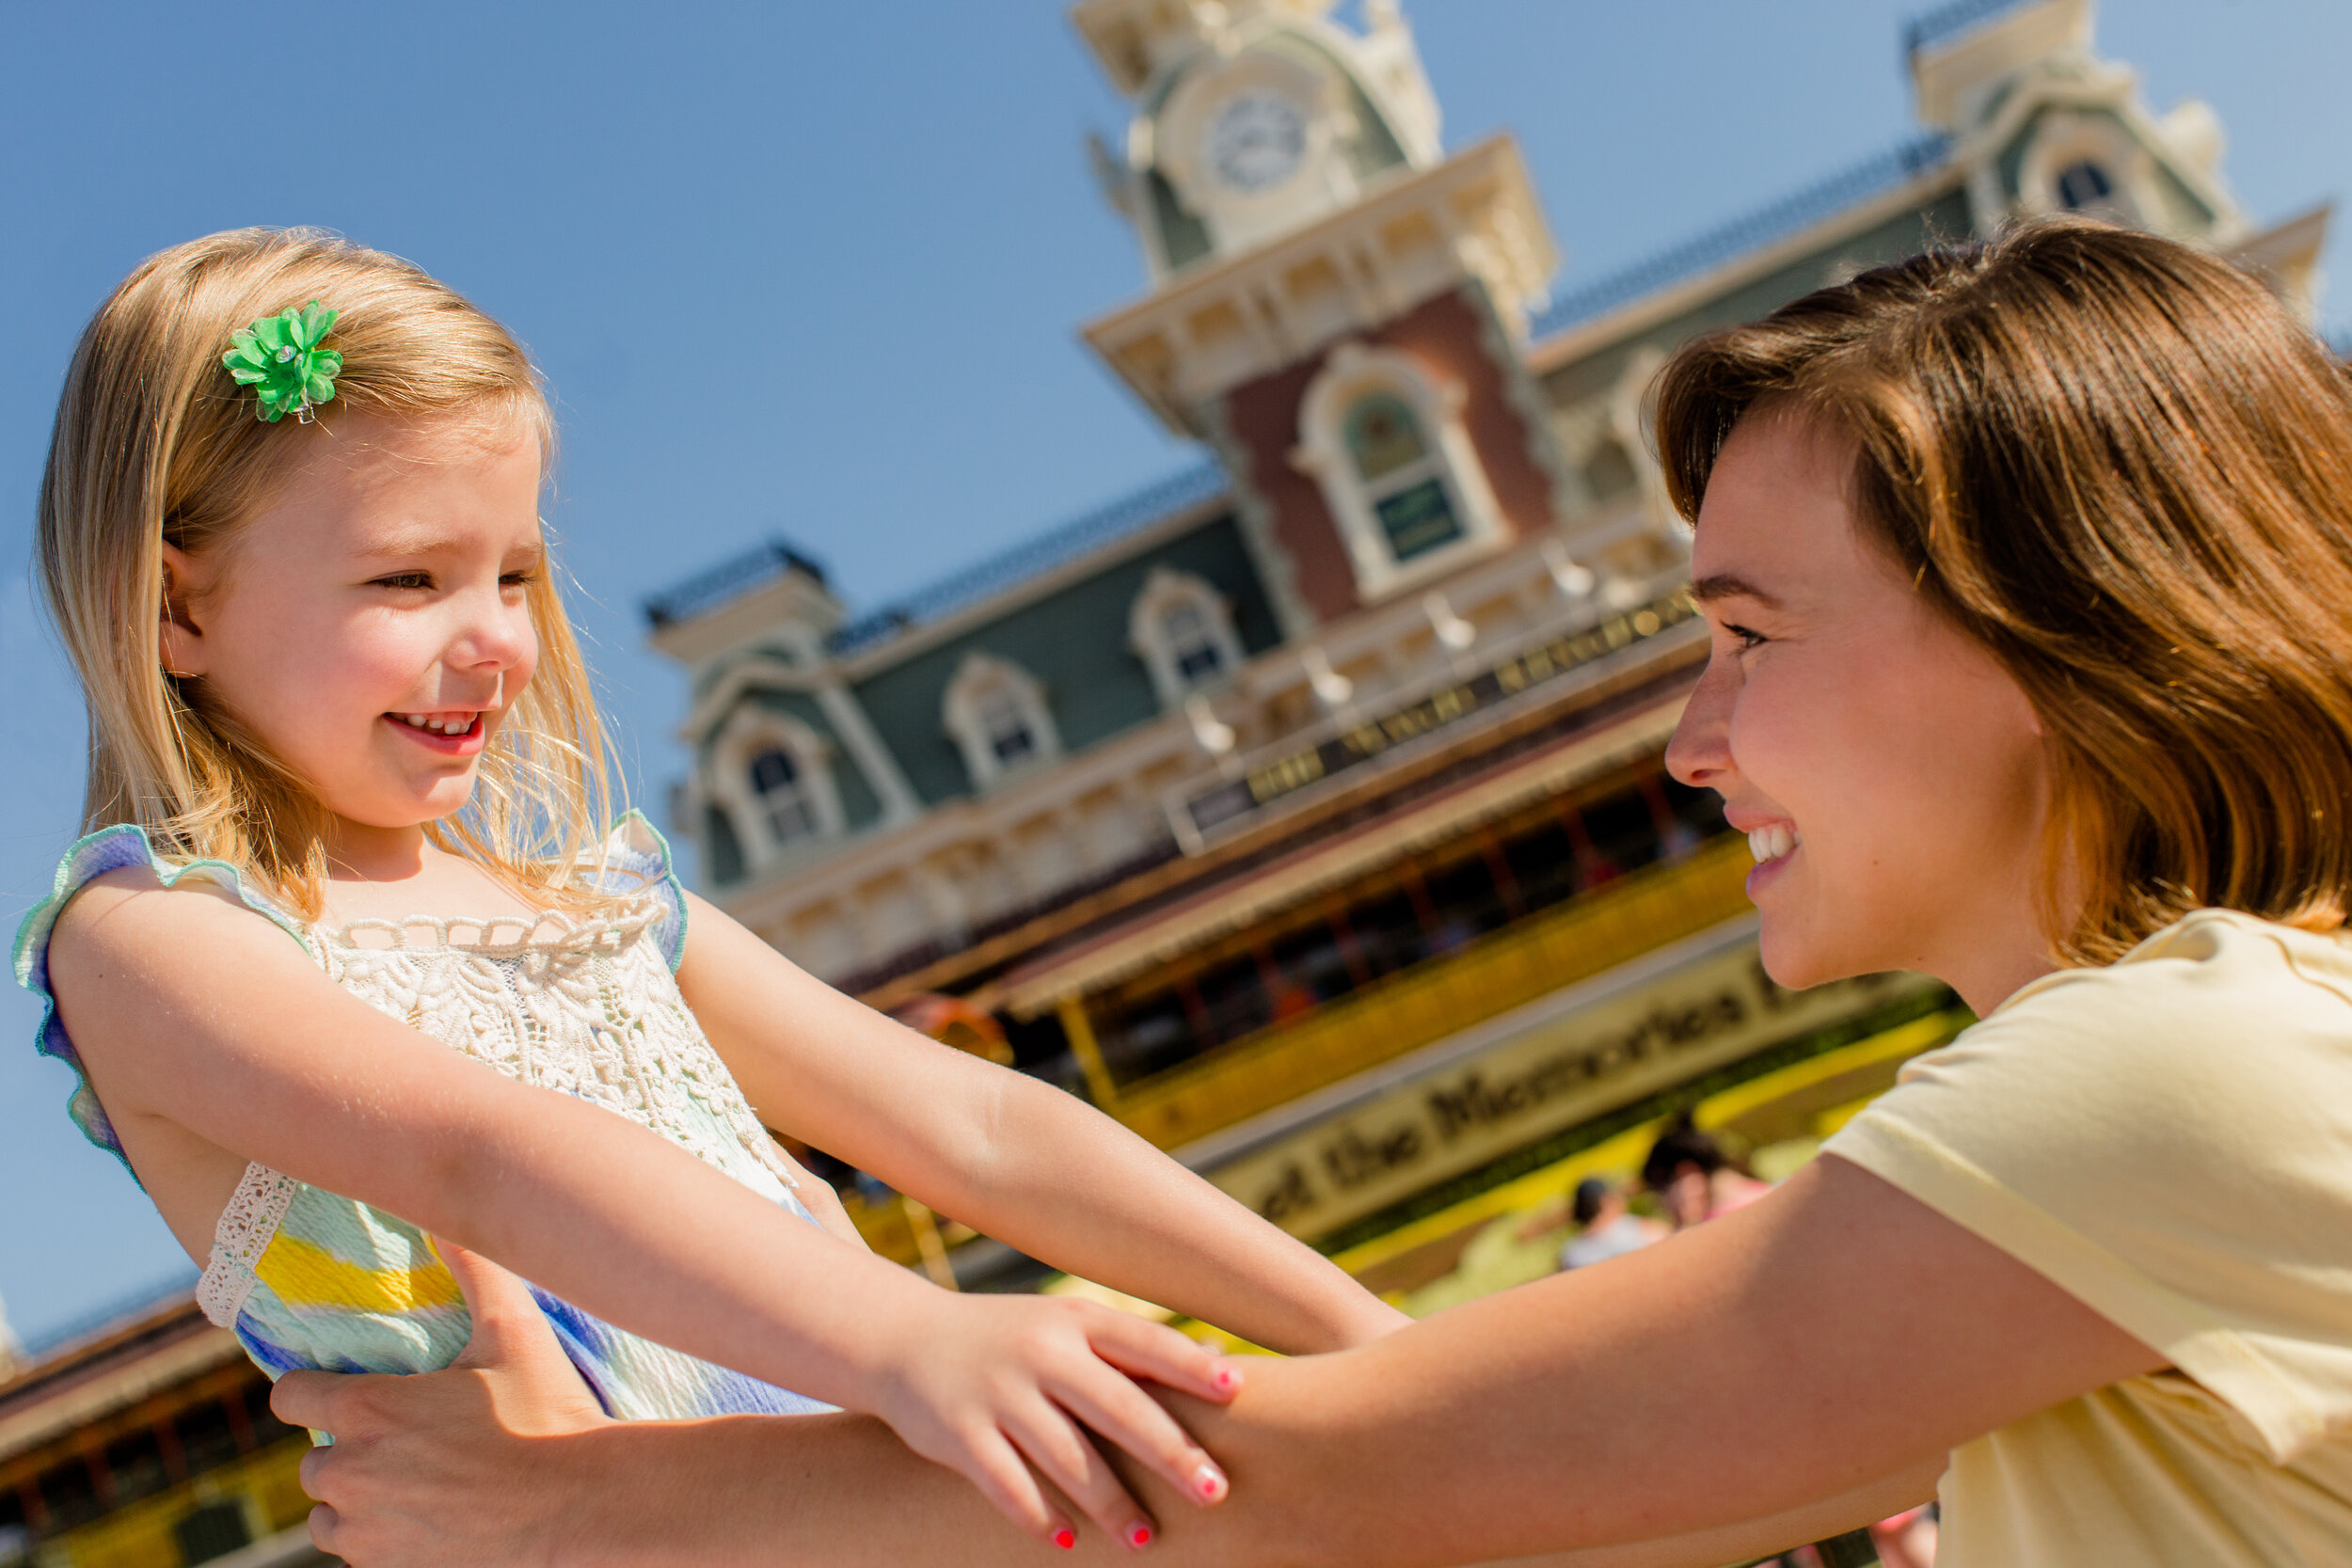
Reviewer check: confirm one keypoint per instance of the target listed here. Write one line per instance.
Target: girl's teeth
(1771, 842)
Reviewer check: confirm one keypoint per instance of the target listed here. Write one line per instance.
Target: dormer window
(998, 717)
(1004, 722)
(1384, 440)
(1191, 644)
(2082, 161)
(770, 775)
(2083, 183)
(783, 795)
(1183, 630)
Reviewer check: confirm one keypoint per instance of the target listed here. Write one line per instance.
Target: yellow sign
(1558, 1062)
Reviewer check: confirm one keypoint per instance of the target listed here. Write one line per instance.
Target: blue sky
(816, 271)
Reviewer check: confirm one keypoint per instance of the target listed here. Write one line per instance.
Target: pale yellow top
(2170, 1140)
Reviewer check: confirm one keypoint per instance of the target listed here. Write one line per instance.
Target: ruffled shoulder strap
(636, 861)
(111, 850)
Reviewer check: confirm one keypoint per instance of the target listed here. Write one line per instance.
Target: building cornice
(1214, 326)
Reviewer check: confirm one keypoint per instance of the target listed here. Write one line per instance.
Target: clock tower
(1337, 304)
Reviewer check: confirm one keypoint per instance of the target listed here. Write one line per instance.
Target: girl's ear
(183, 647)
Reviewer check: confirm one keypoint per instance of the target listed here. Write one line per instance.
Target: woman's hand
(987, 1381)
(441, 1467)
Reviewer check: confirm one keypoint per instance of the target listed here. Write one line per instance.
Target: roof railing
(1931, 28)
(1129, 514)
(1748, 232)
(706, 590)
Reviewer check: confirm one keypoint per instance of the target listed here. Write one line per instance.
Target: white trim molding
(2067, 141)
(990, 704)
(1165, 646)
(798, 805)
(1436, 451)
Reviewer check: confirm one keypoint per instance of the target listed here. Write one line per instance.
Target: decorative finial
(280, 358)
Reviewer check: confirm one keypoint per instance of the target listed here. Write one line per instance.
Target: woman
(2028, 569)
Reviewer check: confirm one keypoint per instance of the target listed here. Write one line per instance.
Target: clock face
(1256, 141)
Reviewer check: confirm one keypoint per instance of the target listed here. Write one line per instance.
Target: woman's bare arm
(506, 1460)
(1805, 1362)
(1006, 1154)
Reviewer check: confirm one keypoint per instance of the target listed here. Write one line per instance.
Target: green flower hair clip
(280, 358)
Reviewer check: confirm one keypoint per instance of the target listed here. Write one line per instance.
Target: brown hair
(154, 441)
(2124, 467)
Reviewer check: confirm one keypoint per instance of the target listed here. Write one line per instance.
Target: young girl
(2028, 569)
(347, 962)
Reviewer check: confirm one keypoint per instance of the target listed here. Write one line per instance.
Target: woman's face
(1887, 771)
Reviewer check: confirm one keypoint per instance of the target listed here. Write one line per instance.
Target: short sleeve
(2169, 1140)
(637, 861)
(110, 849)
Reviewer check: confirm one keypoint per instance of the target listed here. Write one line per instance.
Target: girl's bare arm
(188, 1010)
(1006, 1154)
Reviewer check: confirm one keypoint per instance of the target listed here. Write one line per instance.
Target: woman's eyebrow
(1728, 585)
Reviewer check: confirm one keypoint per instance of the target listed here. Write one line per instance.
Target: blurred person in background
(1605, 1227)
(1694, 1179)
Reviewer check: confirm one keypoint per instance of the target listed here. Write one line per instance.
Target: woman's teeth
(439, 726)
(1771, 842)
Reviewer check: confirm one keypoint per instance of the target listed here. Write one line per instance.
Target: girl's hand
(986, 1382)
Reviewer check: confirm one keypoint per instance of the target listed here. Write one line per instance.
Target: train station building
(1305, 812)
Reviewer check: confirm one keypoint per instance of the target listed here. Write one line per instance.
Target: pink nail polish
(1209, 1485)
(1066, 1538)
(1138, 1535)
(1227, 1379)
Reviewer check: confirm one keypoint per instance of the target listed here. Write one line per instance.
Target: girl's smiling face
(1887, 768)
(382, 585)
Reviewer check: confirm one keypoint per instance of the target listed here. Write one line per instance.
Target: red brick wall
(1262, 418)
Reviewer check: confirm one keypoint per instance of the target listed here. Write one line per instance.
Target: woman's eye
(518, 579)
(417, 581)
(1745, 638)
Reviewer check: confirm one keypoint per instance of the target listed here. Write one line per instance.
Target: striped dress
(587, 1006)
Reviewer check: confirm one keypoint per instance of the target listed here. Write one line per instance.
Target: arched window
(1192, 644)
(1401, 475)
(2089, 161)
(995, 713)
(2083, 183)
(1384, 441)
(1005, 723)
(782, 796)
(1183, 630)
(770, 776)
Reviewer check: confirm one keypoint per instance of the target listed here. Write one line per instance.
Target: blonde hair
(155, 442)
(2122, 465)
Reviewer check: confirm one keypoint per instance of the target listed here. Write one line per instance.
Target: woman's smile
(1773, 845)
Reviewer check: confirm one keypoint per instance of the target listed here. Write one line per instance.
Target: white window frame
(2064, 139)
(1353, 372)
(751, 731)
(979, 679)
(1166, 591)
